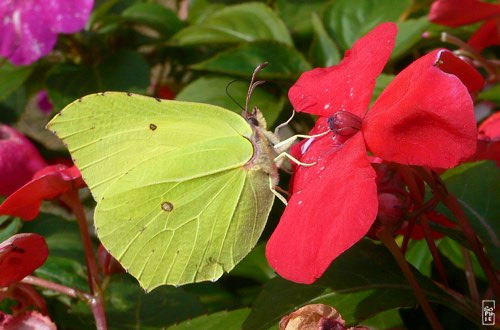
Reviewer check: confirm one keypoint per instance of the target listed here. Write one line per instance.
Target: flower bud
(344, 123)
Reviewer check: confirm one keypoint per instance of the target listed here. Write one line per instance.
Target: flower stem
(471, 52)
(453, 205)
(71, 292)
(389, 242)
(97, 298)
(418, 198)
(469, 275)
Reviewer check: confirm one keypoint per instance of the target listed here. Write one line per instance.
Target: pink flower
(19, 160)
(424, 117)
(29, 28)
(43, 101)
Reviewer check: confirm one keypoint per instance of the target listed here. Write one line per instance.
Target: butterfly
(183, 189)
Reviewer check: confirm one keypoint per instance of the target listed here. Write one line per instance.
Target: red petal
(109, 265)
(488, 144)
(348, 85)
(333, 205)
(418, 232)
(48, 183)
(424, 117)
(461, 12)
(20, 255)
(490, 128)
(487, 150)
(487, 35)
(469, 76)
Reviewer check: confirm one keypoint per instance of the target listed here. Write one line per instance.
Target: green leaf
(9, 226)
(214, 296)
(383, 80)
(255, 265)
(361, 283)
(222, 320)
(348, 20)
(124, 70)
(324, 52)
(419, 256)
(212, 90)
(409, 34)
(12, 77)
(390, 319)
(453, 251)
(129, 307)
(492, 94)
(68, 272)
(154, 16)
(477, 188)
(284, 62)
(246, 22)
(297, 14)
(13, 106)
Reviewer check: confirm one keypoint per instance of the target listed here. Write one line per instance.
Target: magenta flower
(19, 160)
(29, 28)
(43, 102)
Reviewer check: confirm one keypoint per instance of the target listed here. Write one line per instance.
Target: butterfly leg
(285, 144)
(282, 155)
(276, 193)
(277, 129)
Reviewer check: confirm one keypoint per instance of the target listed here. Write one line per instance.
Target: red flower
(455, 13)
(47, 184)
(424, 117)
(20, 255)
(488, 143)
(19, 160)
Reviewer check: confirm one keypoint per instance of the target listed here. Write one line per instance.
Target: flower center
(344, 123)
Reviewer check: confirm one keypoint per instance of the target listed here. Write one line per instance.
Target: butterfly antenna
(253, 85)
(230, 96)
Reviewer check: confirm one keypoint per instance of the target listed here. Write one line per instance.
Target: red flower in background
(424, 117)
(49, 183)
(19, 160)
(20, 255)
(488, 143)
(455, 13)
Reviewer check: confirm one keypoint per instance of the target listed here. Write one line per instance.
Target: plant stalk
(389, 242)
(97, 300)
(71, 292)
(453, 205)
